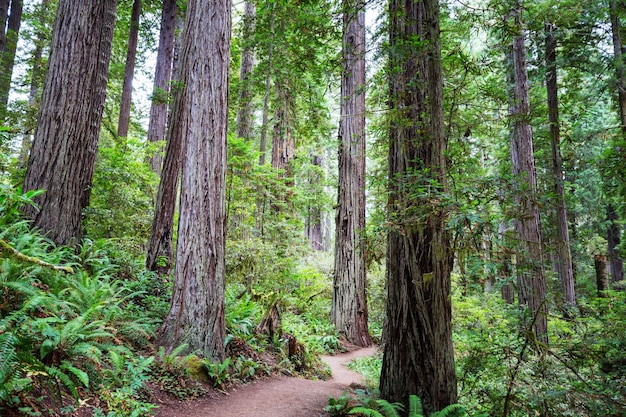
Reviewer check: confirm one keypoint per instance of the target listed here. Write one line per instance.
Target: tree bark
(419, 356)
(283, 144)
(245, 113)
(129, 71)
(196, 315)
(160, 254)
(602, 277)
(313, 224)
(162, 76)
(266, 98)
(617, 267)
(349, 303)
(613, 240)
(618, 51)
(66, 139)
(565, 267)
(8, 54)
(531, 284)
(40, 40)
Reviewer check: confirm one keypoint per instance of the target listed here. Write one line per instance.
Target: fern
(78, 373)
(451, 411)
(415, 406)
(11, 382)
(368, 412)
(64, 379)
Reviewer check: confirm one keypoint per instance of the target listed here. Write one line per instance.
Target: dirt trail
(277, 397)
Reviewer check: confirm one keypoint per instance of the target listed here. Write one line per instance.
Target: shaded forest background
(526, 203)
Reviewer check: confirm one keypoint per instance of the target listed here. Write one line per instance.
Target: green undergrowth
(77, 326)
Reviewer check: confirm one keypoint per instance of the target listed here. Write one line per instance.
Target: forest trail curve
(281, 396)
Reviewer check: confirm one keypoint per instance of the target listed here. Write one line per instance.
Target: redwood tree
(8, 46)
(64, 149)
(565, 266)
(349, 303)
(531, 282)
(129, 70)
(245, 113)
(419, 356)
(196, 315)
(162, 77)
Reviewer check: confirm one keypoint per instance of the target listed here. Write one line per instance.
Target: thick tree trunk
(565, 267)
(196, 315)
(8, 53)
(283, 144)
(129, 71)
(419, 356)
(349, 303)
(162, 77)
(531, 284)
(614, 240)
(66, 140)
(245, 113)
(602, 276)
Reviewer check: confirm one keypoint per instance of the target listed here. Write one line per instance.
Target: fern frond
(64, 379)
(390, 409)
(450, 411)
(415, 406)
(78, 373)
(368, 412)
(88, 351)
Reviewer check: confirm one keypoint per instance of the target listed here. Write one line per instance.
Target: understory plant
(68, 328)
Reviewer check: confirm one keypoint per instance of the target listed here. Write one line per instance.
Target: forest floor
(280, 396)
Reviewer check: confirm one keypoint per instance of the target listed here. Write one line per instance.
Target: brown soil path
(277, 397)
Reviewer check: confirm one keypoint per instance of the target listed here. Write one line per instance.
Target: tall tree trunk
(129, 71)
(7, 54)
(419, 356)
(245, 113)
(565, 267)
(617, 267)
(616, 263)
(63, 156)
(349, 303)
(530, 271)
(162, 77)
(618, 51)
(268, 86)
(160, 254)
(196, 315)
(35, 84)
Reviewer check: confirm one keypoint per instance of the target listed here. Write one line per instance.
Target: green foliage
(123, 188)
(383, 408)
(580, 372)
(219, 372)
(12, 383)
(369, 367)
(124, 380)
(12, 200)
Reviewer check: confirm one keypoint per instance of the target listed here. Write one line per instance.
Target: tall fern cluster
(66, 323)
